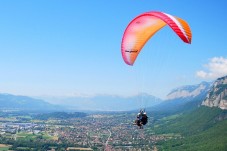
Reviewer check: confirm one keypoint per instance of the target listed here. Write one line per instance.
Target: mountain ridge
(19, 102)
(107, 102)
(179, 102)
(189, 91)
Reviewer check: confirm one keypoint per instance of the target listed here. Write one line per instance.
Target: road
(106, 145)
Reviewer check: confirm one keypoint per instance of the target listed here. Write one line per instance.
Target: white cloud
(217, 67)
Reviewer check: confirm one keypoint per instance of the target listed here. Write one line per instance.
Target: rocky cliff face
(217, 96)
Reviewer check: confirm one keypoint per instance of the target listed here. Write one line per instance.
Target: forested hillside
(201, 129)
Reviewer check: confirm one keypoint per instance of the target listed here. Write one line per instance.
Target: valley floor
(202, 129)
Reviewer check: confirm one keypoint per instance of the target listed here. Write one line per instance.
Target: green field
(31, 136)
(4, 147)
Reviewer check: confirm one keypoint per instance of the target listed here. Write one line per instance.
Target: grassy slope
(200, 130)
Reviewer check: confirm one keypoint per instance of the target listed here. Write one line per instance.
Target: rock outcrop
(217, 96)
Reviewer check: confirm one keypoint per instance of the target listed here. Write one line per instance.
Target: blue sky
(63, 48)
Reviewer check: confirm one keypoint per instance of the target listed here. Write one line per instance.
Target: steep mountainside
(202, 129)
(217, 96)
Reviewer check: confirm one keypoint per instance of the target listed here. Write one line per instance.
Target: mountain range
(97, 103)
(107, 102)
(179, 99)
(183, 98)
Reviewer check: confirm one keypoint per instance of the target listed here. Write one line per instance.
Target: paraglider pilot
(141, 119)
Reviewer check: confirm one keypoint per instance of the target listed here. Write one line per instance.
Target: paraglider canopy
(144, 26)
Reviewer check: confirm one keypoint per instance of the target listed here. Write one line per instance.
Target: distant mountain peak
(189, 91)
(217, 96)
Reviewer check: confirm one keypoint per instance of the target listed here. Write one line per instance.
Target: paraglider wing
(144, 26)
